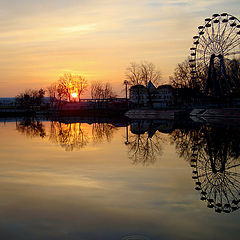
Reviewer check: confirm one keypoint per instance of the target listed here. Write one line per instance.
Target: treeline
(186, 77)
(30, 98)
(69, 87)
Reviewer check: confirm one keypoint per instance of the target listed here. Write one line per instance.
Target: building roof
(151, 86)
(137, 86)
(165, 86)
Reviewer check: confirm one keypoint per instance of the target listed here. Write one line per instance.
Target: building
(164, 97)
(139, 95)
(150, 96)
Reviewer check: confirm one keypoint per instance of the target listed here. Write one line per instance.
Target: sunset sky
(41, 40)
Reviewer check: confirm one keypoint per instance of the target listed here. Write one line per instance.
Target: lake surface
(142, 180)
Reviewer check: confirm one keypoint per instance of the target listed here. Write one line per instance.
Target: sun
(74, 95)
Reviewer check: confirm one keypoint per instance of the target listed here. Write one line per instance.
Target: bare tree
(142, 73)
(149, 73)
(102, 91)
(80, 85)
(108, 91)
(233, 73)
(67, 85)
(96, 90)
(64, 86)
(133, 74)
(182, 77)
(52, 90)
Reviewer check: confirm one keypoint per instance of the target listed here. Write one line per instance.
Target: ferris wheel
(216, 48)
(217, 182)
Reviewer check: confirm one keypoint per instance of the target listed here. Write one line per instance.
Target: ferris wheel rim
(222, 202)
(220, 48)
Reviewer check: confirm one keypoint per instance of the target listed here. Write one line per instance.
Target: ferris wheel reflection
(215, 160)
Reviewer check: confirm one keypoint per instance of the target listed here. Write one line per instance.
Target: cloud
(108, 34)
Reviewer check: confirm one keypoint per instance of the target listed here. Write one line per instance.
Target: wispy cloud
(106, 34)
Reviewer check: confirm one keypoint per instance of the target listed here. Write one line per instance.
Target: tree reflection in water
(69, 136)
(144, 144)
(213, 152)
(31, 128)
(214, 155)
(103, 131)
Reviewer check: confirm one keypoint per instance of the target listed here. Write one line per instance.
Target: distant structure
(216, 49)
(7, 101)
(150, 96)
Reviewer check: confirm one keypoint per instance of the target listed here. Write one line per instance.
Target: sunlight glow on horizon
(74, 95)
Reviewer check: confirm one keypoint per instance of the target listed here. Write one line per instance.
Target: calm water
(148, 180)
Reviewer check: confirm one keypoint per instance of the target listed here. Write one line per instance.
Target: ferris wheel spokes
(218, 37)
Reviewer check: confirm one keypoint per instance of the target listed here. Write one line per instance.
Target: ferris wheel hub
(218, 37)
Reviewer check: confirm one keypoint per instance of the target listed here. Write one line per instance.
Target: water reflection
(136, 202)
(145, 142)
(214, 155)
(103, 131)
(69, 136)
(212, 151)
(31, 128)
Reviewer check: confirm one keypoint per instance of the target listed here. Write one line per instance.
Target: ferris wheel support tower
(216, 50)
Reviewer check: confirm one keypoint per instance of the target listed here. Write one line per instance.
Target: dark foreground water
(142, 180)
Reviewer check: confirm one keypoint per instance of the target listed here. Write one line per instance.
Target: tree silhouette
(142, 73)
(31, 128)
(69, 136)
(67, 85)
(144, 147)
(182, 76)
(30, 98)
(79, 85)
(103, 131)
(102, 91)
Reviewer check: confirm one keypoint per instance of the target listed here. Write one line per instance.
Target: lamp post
(126, 83)
(126, 142)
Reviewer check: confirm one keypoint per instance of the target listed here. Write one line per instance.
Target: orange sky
(41, 40)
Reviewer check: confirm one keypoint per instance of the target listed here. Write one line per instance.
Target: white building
(139, 95)
(150, 96)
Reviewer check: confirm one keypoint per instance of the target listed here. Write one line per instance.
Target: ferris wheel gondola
(216, 49)
(217, 179)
